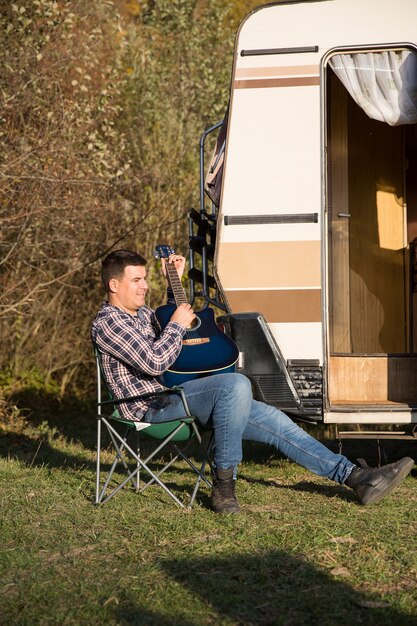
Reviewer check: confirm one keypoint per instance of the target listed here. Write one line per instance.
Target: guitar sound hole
(196, 323)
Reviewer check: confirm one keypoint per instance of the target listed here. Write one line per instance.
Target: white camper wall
(273, 168)
(272, 152)
(274, 160)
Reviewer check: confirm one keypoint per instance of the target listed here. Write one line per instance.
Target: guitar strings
(179, 295)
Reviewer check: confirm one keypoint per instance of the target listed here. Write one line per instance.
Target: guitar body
(206, 350)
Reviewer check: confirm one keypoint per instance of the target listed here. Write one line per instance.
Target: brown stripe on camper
(287, 70)
(287, 305)
(295, 81)
(257, 265)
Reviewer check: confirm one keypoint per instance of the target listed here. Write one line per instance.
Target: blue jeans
(224, 402)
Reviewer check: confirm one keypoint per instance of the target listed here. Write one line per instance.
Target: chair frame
(182, 429)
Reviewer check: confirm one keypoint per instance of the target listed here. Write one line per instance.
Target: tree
(100, 122)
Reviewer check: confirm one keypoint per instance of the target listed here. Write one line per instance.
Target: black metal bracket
(285, 218)
(265, 51)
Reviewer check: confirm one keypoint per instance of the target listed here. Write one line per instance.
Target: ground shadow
(68, 415)
(131, 614)
(38, 452)
(34, 445)
(42, 418)
(50, 416)
(373, 451)
(387, 451)
(263, 589)
(330, 490)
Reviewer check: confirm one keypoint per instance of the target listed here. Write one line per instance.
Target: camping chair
(177, 435)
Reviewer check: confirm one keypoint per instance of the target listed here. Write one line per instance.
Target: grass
(301, 552)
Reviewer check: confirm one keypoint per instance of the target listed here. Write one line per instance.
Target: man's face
(129, 291)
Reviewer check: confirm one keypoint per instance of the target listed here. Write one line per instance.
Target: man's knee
(239, 385)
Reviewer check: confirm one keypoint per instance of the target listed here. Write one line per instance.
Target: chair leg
(98, 459)
(201, 471)
(143, 465)
(137, 461)
(118, 457)
(116, 489)
(121, 446)
(158, 449)
(205, 451)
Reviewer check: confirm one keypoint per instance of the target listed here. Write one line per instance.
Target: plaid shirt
(134, 353)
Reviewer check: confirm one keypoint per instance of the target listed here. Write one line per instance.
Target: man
(136, 352)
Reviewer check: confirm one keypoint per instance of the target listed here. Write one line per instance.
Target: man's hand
(183, 315)
(178, 261)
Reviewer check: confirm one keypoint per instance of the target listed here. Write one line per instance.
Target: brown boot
(223, 497)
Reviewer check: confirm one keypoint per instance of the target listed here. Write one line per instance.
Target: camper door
(370, 98)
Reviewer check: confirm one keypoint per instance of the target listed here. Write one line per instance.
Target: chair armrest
(172, 390)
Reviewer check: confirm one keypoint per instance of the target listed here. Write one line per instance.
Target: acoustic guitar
(206, 350)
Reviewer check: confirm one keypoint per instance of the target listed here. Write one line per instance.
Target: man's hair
(113, 266)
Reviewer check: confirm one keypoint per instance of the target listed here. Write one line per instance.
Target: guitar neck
(175, 284)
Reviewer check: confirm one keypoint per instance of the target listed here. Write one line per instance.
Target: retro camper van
(309, 242)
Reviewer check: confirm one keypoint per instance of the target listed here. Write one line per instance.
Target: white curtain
(383, 84)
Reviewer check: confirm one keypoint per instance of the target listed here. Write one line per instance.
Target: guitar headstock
(163, 252)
